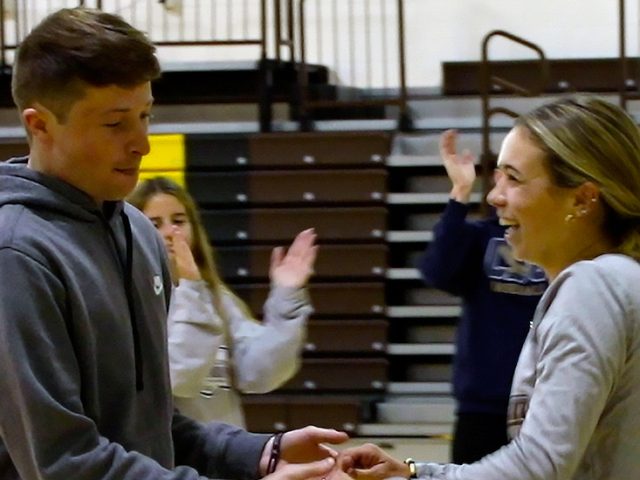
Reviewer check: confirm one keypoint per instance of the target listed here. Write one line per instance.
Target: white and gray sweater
(576, 392)
(211, 362)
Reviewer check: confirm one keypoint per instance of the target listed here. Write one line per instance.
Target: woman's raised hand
(182, 261)
(293, 268)
(460, 166)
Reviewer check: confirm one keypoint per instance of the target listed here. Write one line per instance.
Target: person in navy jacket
(499, 295)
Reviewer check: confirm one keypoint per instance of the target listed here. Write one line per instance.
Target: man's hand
(303, 446)
(460, 167)
(304, 471)
(294, 268)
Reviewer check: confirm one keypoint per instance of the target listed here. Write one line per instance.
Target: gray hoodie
(84, 376)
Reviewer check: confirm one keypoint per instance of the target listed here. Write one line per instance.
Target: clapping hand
(460, 167)
(183, 265)
(293, 268)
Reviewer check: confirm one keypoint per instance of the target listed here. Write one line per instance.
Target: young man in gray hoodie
(84, 283)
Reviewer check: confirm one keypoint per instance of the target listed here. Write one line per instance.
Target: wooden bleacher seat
(288, 187)
(281, 412)
(339, 374)
(363, 224)
(287, 150)
(347, 336)
(354, 149)
(216, 151)
(241, 263)
(363, 299)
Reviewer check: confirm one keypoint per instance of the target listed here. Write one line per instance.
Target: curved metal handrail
(510, 86)
(488, 81)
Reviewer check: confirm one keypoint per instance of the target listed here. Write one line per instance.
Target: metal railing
(213, 23)
(279, 30)
(210, 23)
(335, 26)
(491, 84)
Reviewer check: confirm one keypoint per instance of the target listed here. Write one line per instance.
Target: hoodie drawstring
(128, 282)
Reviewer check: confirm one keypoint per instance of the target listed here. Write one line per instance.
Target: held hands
(183, 265)
(305, 457)
(460, 167)
(304, 454)
(317, 470)
(294, 268)
(367, 462)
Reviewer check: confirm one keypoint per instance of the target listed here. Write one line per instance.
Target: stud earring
(582, 212)
(569, 218)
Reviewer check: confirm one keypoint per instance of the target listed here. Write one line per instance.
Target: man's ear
(36, 120)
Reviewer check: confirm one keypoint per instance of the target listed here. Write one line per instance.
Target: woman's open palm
(293, 268)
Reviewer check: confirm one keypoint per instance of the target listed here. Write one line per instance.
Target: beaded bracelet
(275, 453)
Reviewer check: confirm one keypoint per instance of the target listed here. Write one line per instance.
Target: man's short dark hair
(75, 48)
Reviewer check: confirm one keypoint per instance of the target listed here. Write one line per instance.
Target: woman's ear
(586, 198)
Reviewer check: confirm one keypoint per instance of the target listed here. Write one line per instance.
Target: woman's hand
(367, 462)
(183, 265)
(460, 167)
(294, 268)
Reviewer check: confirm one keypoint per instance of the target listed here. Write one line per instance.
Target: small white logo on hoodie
(157, 284)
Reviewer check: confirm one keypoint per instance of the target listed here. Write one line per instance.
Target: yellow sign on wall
(167, 158)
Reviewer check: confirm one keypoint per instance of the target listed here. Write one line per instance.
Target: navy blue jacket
(499, 295)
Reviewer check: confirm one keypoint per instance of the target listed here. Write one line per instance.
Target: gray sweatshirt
(576, 392)
(84, 377)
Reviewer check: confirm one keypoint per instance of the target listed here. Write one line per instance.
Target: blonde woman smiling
(568, 190)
